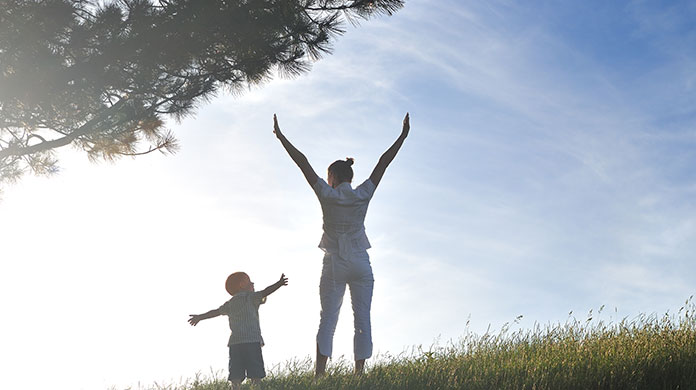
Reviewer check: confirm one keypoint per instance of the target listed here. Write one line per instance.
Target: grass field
(648, 352)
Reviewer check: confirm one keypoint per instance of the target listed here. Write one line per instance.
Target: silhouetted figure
(246, 360)
(345, 244)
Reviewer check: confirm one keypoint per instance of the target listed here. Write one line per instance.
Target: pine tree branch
(89, 127)
(387, 6)
(106, 68)
(169, 145)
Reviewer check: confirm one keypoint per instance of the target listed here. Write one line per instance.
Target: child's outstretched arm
(297, 156)
(389, 155)
(273, 287)
(196, 318)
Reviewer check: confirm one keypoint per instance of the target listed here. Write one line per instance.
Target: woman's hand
(276, 128)
(295, 154)
(406, 128)
(389, 155)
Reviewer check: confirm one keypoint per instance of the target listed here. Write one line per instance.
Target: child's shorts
(246, 361)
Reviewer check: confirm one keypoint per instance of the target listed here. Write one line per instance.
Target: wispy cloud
(541, 175)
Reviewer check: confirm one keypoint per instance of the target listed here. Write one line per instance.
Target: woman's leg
(361, 289)
(361, 299)
(332, 287)
(320, 368)
(359, 366)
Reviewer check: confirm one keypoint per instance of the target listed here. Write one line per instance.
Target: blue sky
(549, 169)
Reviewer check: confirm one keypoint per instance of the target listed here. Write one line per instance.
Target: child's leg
(236, 383)
(254, 363)
(236, 366)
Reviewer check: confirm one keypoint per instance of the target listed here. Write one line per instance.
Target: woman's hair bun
(342, 170)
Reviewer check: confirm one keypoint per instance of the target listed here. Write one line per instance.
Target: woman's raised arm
(389, 155)
(296, 155)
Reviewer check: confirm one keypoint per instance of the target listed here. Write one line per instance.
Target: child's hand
(283, 281)
(195, 319)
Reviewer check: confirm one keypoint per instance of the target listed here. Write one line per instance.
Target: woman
(345, 245)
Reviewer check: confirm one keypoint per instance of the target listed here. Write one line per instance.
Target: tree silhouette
(103, 75)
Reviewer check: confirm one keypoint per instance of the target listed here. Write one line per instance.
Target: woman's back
(344, 210)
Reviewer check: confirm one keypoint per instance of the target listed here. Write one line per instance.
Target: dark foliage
(103, 75)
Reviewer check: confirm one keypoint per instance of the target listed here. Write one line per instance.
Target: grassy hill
(649, 352)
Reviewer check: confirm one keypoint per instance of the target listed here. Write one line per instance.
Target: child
(245, 342)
